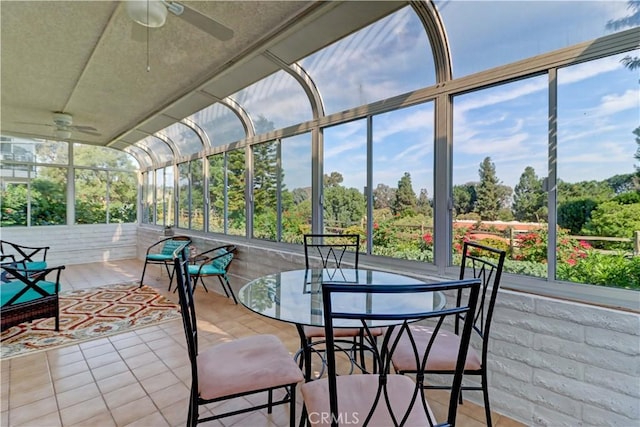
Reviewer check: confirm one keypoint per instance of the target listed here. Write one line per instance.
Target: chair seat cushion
(35, 265)
(442, 357)
(356, 394)
(8, 290)
(247, 364)
(160, 257)
(318, 332)
(207, 270)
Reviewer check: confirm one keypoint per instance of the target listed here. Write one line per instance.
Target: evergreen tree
(528, 199)
(424, 204)
(464, 198)
(488, 192)
(405, 202)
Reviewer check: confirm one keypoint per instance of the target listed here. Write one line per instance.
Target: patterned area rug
(90, 314)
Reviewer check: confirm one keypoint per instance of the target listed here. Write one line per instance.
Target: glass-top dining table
(296, 296)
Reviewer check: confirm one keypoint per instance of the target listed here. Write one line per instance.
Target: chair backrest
(484, 263)
(222, 256)
(174, 243)
(21, 253)
(366, 317)
(331, 248)
(187, 309)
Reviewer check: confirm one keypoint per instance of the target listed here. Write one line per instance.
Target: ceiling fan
(63, 126)
(153, 14)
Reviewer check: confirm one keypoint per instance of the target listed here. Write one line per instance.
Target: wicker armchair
(28, 296)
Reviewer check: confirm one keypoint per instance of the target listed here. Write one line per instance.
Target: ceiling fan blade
(82, 128)
(205, 23)
(34, 124)
(88, 132)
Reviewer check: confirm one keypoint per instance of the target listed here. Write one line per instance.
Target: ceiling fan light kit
(148, 13)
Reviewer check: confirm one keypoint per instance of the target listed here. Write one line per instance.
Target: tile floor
(142, 377)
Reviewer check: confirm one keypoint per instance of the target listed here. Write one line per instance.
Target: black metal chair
(385, 398)
(328, 250)
(162, 252)
(241, 367)
(214, 262)
(484, 263)
(28, 258)
(27, 295)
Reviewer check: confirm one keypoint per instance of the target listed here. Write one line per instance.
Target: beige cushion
(356, 394)
(318, 332)
(443, 354)
(246, 364)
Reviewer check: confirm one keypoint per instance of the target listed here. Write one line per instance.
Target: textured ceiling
(81, 57)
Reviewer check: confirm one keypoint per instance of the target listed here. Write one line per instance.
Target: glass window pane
(296, 187)
(15, 200)
(387, 58)
(184, 199)
(275, 102)
(185, 139)
(48, 196)
(487, 34)
(102, 157)
(345, 178)
(216, 193)
(220, 124)
(265, 190)
(164, 197)
(159, 149)
(500, 153)
(403, 183)
(148, 205)
(91, 196)
(54, 152)
(196, 216)
(123, 193)
(235, 193)
(598, 175)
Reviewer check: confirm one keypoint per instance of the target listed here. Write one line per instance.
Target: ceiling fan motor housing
(62, 119)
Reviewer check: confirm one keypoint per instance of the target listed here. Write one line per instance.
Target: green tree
(343, 207)
(464, 198)
(405, 202)
(333, 179)
(424, 203)
(489, 194)
(528, 197)
(383, 196)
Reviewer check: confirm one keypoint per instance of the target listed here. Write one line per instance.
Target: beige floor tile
(83, 411)
(29, 391)
(124, 395)
(110, 369)
(155, 419)
(74, 368)
(169, 395)
(48, 420)
(77, 395)
(133, 411)
(116, 381)
(159, 381)
(104, 359)
(102, 420)
(25, 413)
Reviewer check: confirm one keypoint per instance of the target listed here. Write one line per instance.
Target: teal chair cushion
(222, 262)
(207, 270)
(160, 257)
(8, 290)
(170, 246)
(36, 265)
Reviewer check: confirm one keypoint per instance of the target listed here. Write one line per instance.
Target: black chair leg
(143, 270)
(170, 274)
(230, 289)
(203, 285)
(292, 406)
(485, 393)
